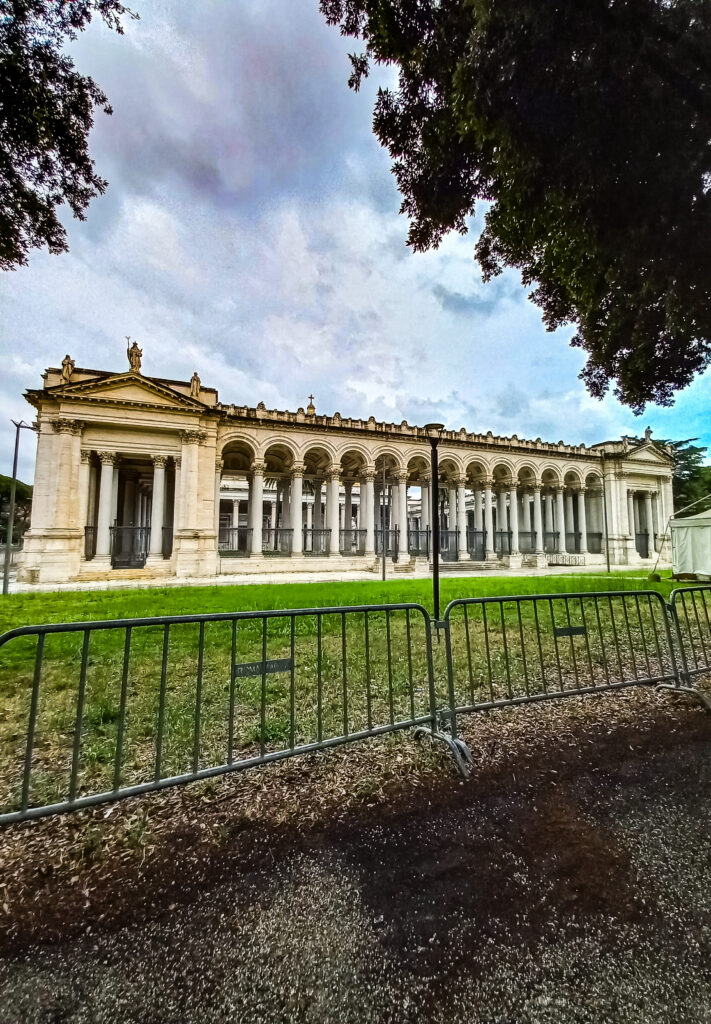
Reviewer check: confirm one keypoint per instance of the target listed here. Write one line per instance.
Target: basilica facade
(141, 476)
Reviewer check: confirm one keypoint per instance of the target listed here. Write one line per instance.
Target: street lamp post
(434, 433)
(11, 515)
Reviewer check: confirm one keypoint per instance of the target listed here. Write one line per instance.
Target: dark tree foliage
(23, 508)
(46, 112)
(587, 127)
(692, 478)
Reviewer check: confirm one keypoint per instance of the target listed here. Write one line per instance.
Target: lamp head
(434, 429)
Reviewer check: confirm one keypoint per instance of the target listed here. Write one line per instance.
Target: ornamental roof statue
(134, 354)
(67, 368)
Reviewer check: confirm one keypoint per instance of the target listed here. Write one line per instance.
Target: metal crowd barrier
(97, 711)
(691, 613)
(503, 651)
(121, 707)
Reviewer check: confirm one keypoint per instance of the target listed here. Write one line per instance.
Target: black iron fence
(391, 539)
(550, 543)
(502, 543)
(418, 542)
(449, 545)
(641, 543)
(104, 710)
(476, 545)
(129, 546)
(572, 543)
(277, 542)
(527, 541)
(234, 541)
(167, 541)
(352, 542)
(317, 541)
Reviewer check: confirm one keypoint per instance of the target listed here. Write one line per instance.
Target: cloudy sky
(251, 231)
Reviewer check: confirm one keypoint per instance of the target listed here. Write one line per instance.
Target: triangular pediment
(125, 389)
(650, 454)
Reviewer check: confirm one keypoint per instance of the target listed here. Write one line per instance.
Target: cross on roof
(311, 398)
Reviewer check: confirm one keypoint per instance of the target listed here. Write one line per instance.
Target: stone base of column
(515, 561)
(490, 557)
(464, 556)
(156, 561)
(538, 560)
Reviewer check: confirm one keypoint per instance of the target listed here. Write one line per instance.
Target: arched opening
(234, 518)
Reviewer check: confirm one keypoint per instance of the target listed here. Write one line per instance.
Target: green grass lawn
(79, 606)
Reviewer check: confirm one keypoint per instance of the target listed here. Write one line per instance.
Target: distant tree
(585, 126)
(23, 508)
(46, 112)
(692, 479)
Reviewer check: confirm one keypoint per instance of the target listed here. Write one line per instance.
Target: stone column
(332, 509)
(115, 491)
(549, 511)
(297, 480)
(190, 454)
(631, 525)
(462, 520)
(309, 515)
(348, 508)
(84, 473)
(526, 511)
(582, 522)
(649, 522)
(219, 463)
(451, 507)
(103, 537)
(235, 513)
(157, 510)
(513, 519)
(502, 523)
(489, 521)
(367, 501)
(177, 490)
(479, 509)
(403, 546)
(560, 517)
(317, 517)
(538, 519)
(569, 513)
(425, 501)
(256, 508)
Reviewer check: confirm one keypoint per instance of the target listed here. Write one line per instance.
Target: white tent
(691, 543)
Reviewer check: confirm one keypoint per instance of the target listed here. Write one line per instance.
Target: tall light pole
(11, 515)
(434, 433)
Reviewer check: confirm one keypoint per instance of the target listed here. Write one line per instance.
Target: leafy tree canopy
(587, 128)
(692, 478)
(46, 112)
(23, 507)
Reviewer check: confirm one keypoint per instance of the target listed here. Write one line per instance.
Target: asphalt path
(586, 902)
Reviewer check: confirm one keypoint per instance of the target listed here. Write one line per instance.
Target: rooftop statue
(67, 368)
(134, 354)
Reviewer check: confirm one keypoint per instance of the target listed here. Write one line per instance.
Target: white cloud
(251, 232)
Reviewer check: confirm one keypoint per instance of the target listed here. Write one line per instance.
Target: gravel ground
(586, 901)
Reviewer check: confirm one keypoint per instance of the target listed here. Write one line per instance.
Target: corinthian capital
(193, 436)
(62, 425)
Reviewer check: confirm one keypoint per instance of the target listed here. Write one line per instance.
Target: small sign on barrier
(570, 631)
(258, 668)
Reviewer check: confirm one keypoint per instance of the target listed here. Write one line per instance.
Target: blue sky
(251, 231)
